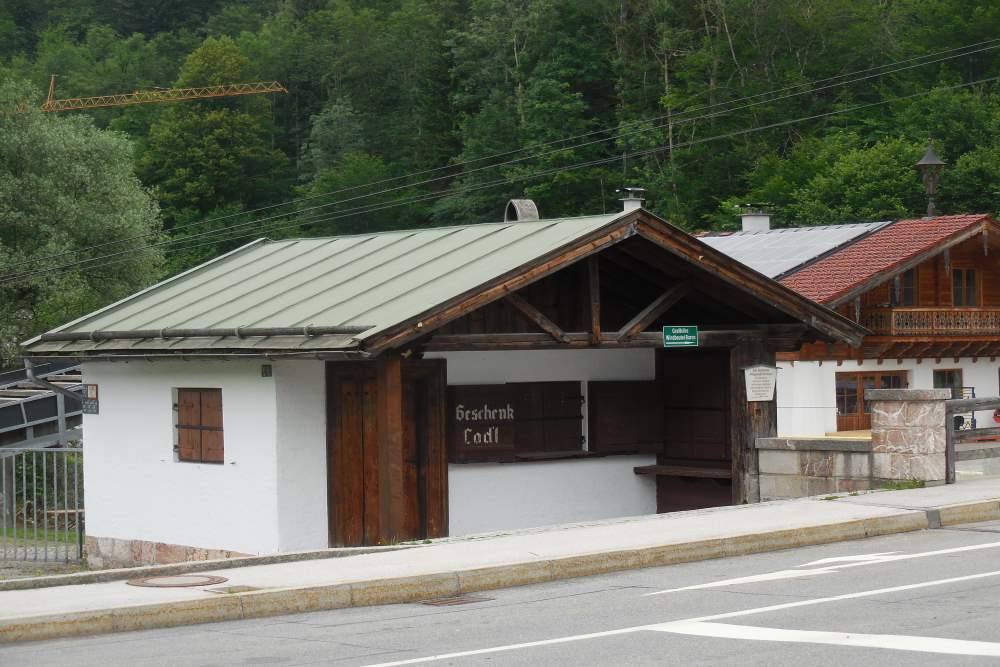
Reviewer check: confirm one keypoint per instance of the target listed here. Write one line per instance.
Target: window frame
(908, 288)
(862, 406)
(960, 293)
(209, 420)
(961, 380)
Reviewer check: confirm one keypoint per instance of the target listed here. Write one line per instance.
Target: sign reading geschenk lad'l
(481, 420)
(680, 336)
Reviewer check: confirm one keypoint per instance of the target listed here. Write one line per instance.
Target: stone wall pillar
(908, 434)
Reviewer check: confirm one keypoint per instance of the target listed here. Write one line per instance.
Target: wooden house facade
(928, 292)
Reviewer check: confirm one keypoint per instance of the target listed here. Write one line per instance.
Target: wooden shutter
(199, 425)
(625, 416)
(211, 426)
(563, 416)
(549, 417)
(189, 424)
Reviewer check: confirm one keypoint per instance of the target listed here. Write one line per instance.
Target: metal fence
(41, 505)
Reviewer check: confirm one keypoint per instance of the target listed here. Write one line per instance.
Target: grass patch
(831, 497)
(903, 485)
(28, 535)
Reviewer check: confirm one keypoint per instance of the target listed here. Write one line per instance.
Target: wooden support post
(391, 468)
(857, 309)
(594, 272)
(748, 421)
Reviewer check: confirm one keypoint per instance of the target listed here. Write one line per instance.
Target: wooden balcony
(932, 321)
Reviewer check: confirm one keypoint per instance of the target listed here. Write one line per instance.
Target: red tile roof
(837, 274)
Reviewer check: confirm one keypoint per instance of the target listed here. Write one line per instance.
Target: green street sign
(680, 336)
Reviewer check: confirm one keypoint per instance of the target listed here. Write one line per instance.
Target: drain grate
(455, 600)
(178, 581)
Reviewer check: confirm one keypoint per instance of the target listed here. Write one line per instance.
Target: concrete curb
(125, 573)
(273, 602)
(988, 510)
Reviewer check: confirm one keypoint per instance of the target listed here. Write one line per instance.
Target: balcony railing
(932, 321)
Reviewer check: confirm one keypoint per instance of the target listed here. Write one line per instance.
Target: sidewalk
(462, 565)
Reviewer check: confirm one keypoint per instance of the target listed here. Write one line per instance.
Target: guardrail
(954, 435)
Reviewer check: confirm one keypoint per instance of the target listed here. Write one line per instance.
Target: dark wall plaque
(481, 422)
(498, 422)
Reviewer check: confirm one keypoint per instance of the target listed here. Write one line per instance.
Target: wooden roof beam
(653, 311)
(536, 316)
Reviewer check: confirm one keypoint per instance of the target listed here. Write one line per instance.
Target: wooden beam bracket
(536, 316)
(650, 313)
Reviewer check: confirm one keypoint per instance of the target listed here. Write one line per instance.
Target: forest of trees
(818, 108)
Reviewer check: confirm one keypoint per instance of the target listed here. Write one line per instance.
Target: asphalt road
(931, 597)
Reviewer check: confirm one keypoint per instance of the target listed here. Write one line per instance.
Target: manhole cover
(456, 599)
(178, 581)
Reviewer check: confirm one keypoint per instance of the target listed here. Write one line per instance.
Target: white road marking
(704, 619)
(514, 647)
(752, 579)
(847, 596)
(861, 558)
(851, 561)
(895, 642)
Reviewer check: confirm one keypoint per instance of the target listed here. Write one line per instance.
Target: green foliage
(66, 185)
(706, 104)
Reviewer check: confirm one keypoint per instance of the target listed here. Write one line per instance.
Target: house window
(851, 389)
(950, 378)
(198, 425)
(963, 288)
(908, 288)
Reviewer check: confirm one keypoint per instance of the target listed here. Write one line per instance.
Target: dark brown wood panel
(212, 448)
(345, 459)
(625, 416)
(695, 386)
(355, 475)
(188, 414)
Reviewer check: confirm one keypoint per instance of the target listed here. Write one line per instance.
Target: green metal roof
(374, 280)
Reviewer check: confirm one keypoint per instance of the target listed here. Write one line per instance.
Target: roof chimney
(755, 219)
(633, 198)
(520, 210)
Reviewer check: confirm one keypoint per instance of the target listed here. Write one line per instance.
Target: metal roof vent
(755, 218)
(520, 210)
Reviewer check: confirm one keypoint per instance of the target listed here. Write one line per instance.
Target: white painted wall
(483, 497)
(135, 489)
(300, 388)
(807, 397)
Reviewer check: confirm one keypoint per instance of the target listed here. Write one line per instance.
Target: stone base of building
(108, 552)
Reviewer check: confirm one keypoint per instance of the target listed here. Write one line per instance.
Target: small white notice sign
(760, 382)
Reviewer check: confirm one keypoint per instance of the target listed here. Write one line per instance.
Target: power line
(679, 118)
(371, 208)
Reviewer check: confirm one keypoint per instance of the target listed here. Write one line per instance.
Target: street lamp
(930, 166)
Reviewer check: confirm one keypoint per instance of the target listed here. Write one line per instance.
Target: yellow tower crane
(157, 95)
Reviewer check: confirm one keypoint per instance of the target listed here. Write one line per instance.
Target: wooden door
(696, 434)
(354, 496)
